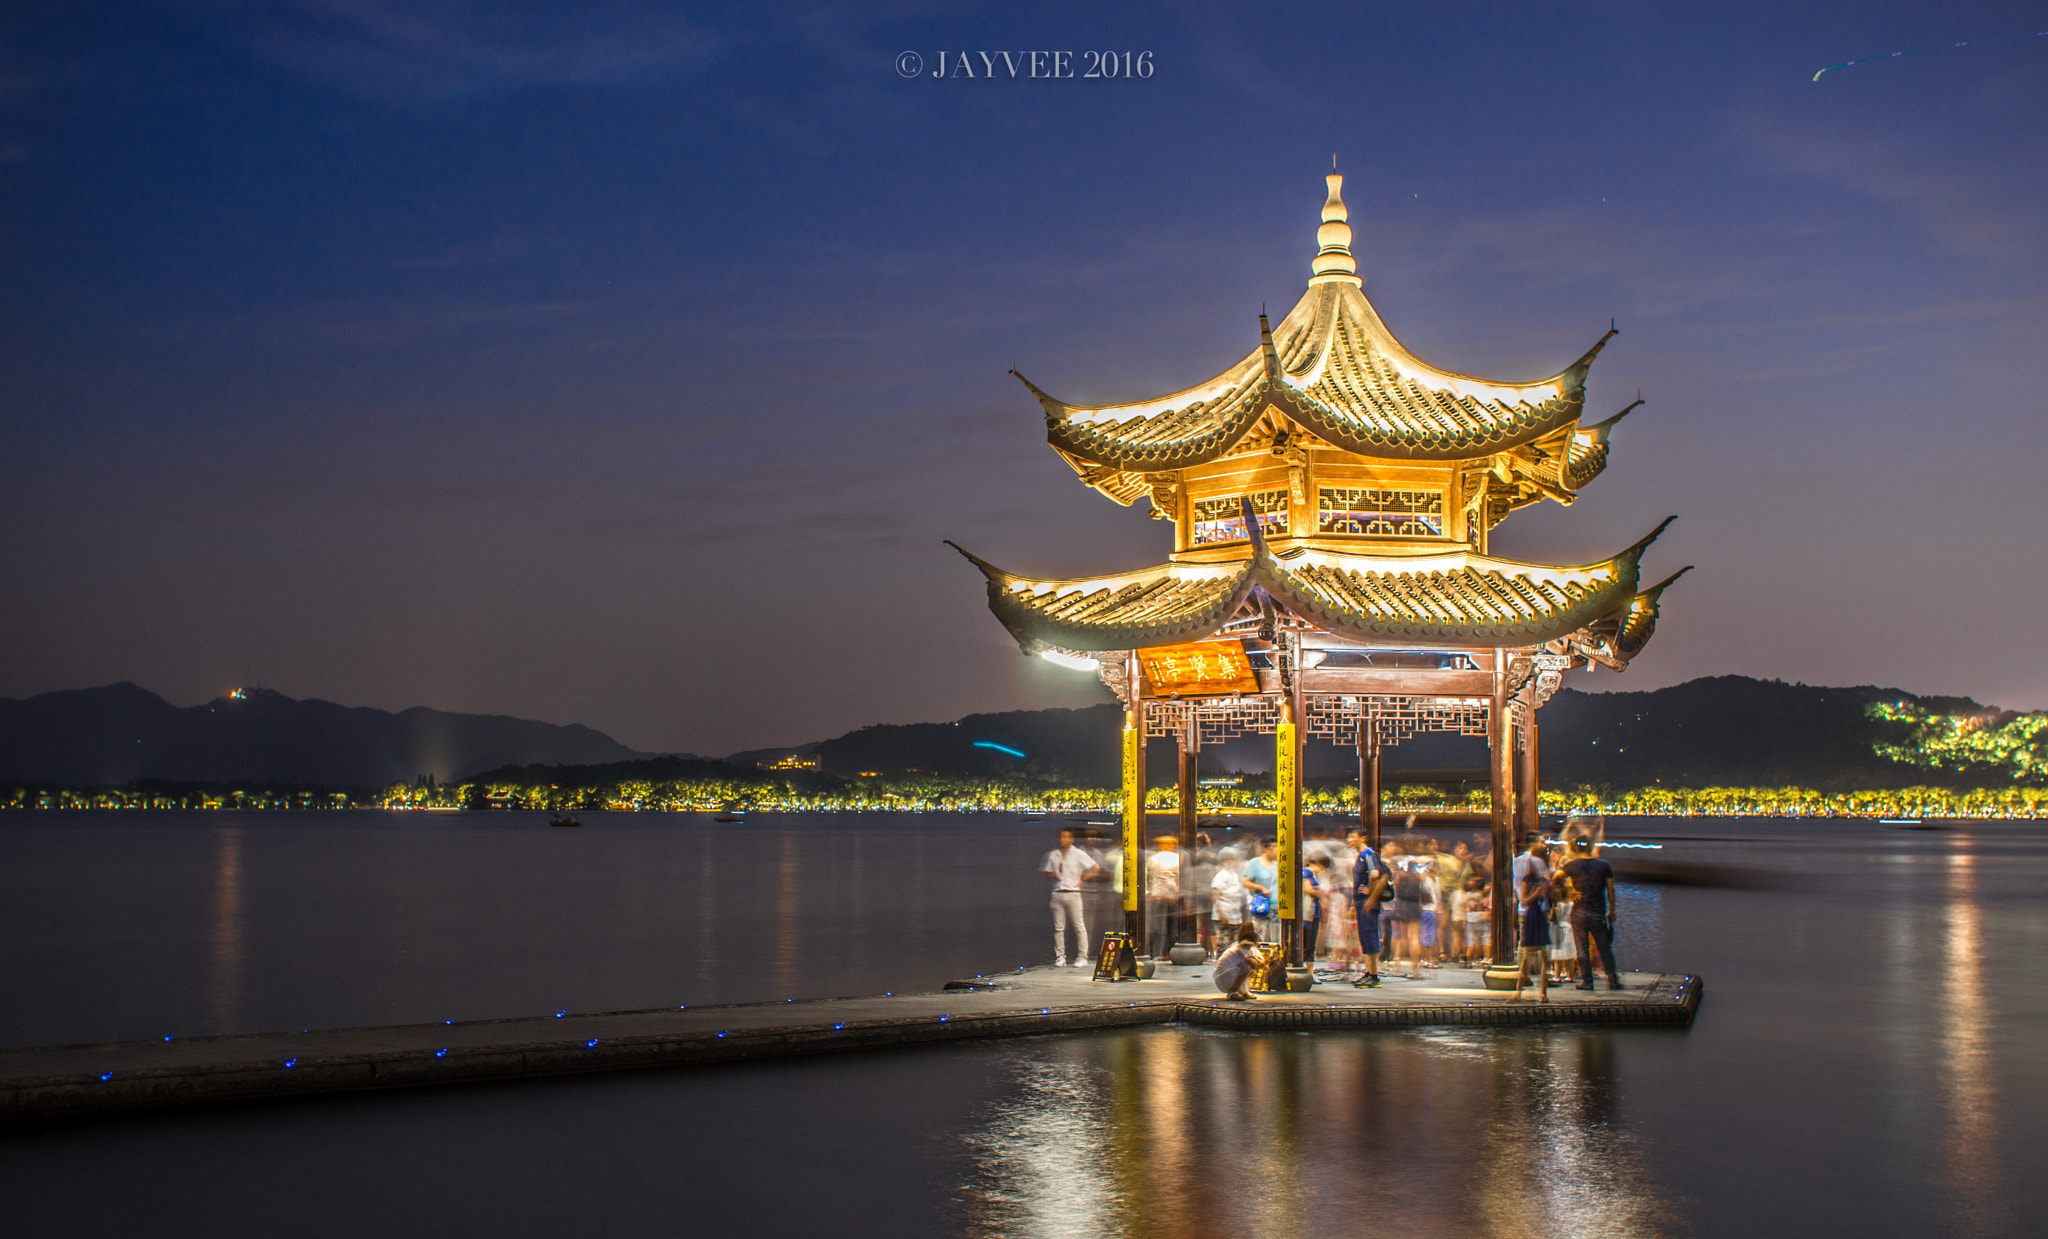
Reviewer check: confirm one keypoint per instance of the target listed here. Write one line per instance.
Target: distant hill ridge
(1723, 731)
(123, 732)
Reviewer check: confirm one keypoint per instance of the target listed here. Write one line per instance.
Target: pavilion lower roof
(1332, 366)
(1458, 599)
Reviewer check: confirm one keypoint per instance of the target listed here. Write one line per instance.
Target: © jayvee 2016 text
(1047, 65)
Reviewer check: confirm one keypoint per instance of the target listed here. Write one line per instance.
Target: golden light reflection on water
(788, 929)
(1970, 1143)
(1195, 1134)
(225, 949)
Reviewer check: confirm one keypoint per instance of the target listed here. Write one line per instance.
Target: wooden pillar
(1369, 782)
(1527, 807)
(1189, 771)
(1501, 743)
(1134, 807)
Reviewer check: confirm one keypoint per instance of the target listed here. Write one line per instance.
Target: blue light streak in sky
(2002, 38)
(1000, 748)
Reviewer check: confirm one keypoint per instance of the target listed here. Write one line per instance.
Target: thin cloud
(449, 50)
(1962, 202)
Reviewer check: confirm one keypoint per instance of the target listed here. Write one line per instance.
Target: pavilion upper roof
(1458, 599)
(1334, 368)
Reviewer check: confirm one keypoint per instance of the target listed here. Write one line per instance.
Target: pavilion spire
(1333, 262)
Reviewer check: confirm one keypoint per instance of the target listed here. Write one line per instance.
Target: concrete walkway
(56, 1081)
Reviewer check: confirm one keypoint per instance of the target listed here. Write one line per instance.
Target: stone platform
(58, 1081)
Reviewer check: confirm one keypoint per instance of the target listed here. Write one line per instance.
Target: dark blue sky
(626, 364)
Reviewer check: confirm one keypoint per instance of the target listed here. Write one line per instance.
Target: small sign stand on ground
(1118, 959)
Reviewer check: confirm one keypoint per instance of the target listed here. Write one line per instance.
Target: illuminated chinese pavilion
(1332, 497)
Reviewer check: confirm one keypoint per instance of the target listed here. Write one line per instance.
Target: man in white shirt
(1162, 896)
(1068, 867)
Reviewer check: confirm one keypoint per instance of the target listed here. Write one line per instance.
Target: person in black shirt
(1593, 908)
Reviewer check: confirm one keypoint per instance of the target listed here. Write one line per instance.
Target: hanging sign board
(1201, 668)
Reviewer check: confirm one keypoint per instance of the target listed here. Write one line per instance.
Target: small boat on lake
(564, 819)
(727, 817)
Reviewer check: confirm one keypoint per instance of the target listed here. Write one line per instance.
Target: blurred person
(1564, 961)
(1455, 899)
(1453, 868)
(1227, 896)
(1432, 903)
(1311, 911)
(1409, 890)
(1201, 874)
(1478, 922)
(1530, 861)
(1340, 932)
(1162, 895)
(1370, 880)
(1069, 867)
(1389, 935)
(1262, 887)
(1234, 970)
(1593, 912)
(1534, 892)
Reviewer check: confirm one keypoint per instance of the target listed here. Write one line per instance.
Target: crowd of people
(1415, 904)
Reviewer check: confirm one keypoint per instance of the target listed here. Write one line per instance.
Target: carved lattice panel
(1213, 720)
(1395, 719)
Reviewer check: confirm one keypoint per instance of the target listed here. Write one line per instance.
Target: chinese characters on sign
(1204, 667)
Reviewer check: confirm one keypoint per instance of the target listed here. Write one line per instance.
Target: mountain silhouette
(122, 732)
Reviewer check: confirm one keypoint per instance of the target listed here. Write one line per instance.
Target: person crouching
(1234, 970)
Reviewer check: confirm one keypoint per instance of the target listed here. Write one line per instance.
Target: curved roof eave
(1206, 421)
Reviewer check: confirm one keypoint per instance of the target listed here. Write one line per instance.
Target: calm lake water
(1867, 1058)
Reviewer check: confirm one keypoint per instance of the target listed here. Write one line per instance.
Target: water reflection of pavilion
(1448, 1132)
(1332, 498)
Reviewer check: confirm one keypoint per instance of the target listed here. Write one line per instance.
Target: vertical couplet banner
(1287, 818)
(1134, 813)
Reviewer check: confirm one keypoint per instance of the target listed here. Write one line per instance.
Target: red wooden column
(1527, 808)
(1501, 741)
(1189, 771)
(1369, 781)
(1134, 804)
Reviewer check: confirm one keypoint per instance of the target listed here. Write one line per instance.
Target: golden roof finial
(1333, 262)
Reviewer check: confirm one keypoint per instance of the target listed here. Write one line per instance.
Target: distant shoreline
(2018, 803)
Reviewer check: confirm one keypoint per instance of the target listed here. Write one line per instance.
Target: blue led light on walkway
(1000, 748)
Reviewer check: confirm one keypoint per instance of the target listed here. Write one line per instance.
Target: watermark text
(1028, 65)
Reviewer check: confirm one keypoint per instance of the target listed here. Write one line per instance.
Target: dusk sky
(626, 364)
